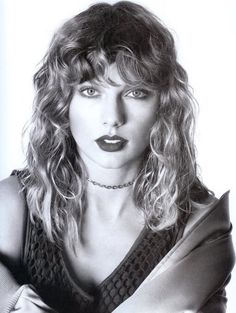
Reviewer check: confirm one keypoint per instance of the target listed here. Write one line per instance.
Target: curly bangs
(124, 33)
(82, 49)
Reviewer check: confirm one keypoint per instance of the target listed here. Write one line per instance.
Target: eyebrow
(98, 83)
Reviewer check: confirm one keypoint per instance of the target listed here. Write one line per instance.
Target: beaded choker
(130, 183)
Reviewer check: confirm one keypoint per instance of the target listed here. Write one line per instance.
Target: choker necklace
(130, 183)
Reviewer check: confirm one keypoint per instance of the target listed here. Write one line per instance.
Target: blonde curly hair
(82, 49)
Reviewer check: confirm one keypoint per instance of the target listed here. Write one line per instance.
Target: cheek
(76, 123)
(142, 133)
(83, 128)
(78, 117)
(146, 123)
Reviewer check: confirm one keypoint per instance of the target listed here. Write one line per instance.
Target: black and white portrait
(117, 163)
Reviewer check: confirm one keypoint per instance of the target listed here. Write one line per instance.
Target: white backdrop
(205, 32)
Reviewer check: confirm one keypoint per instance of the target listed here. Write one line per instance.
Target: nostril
(113, 112)
(113, 123)
(114, 120)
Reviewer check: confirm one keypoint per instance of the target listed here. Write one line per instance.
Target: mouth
(111, 144)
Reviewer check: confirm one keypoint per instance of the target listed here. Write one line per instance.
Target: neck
(114, 201)
(111, 176)
(120, 186)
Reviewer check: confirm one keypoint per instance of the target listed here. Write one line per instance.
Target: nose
(113, 112)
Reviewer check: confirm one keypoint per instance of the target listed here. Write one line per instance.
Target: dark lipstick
(111, 144)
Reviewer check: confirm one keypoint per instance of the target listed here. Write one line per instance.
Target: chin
(112, 160)
(112, 164)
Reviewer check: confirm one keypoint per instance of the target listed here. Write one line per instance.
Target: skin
(111, 222)
(109, 228)
(103, 109)
(108, 233)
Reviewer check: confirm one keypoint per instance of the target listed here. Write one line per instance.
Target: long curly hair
(82, 49)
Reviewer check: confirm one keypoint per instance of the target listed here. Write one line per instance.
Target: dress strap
(25, 245)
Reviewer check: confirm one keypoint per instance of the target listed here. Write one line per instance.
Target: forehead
(113, 77)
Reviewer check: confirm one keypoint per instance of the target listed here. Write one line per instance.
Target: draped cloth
(193, 275)
(191, 278)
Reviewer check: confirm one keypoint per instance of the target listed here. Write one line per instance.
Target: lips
(111, 144)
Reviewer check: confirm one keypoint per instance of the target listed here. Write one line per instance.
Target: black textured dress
(45, 267)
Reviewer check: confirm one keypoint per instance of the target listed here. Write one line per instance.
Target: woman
(109, 214)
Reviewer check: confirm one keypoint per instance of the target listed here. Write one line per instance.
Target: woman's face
(111, 124)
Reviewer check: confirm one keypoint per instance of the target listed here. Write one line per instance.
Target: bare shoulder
(12, 218)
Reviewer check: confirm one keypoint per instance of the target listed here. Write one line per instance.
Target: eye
(89, 92)
(137, 93)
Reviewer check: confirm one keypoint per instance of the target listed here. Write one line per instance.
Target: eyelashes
(93, 92)
(89, 92)
(138, 93)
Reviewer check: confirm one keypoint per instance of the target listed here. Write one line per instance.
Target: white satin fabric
(26, 300)
(193, 275)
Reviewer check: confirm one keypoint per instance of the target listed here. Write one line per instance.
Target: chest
(62, 279)
(102, 251)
